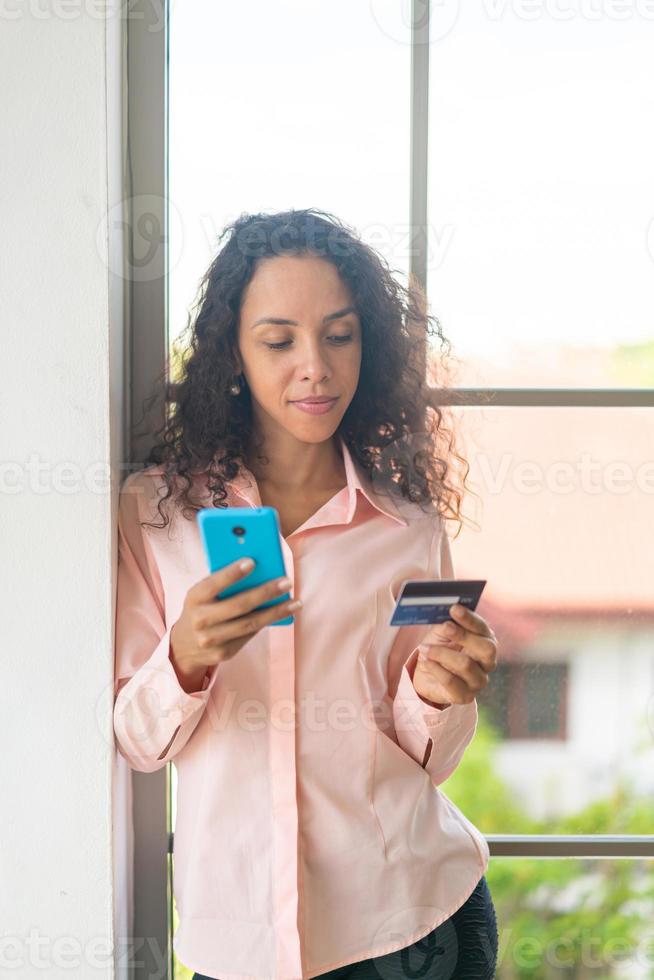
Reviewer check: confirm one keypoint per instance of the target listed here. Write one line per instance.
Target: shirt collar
(358, 479)
(343, 504)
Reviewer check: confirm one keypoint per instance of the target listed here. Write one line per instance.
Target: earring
(235, 389)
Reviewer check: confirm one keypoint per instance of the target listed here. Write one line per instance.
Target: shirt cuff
(418, 724)
(152, 705)
(432, 716)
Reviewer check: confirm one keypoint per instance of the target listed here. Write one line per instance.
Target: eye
(339, 338)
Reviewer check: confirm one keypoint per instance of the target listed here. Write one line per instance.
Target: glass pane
(280, 105)
(544, 695)
(528, 699)
(540, 205)
(573, 918)
(558, 520)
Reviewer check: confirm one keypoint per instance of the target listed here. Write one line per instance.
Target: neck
(295, 466)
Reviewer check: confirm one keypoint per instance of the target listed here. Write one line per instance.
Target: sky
(541, 202)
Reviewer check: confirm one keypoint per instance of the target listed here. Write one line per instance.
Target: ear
(236, 359)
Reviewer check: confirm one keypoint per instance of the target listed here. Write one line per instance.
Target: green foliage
(633, 365)
(180, 972)
(177, 354)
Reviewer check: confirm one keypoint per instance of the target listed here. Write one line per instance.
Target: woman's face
(308, 354)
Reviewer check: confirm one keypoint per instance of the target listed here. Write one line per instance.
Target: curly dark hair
(391, 427)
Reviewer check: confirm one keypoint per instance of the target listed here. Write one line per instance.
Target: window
(304, 128)
(513, 140)
(559, 528)
(575, 917)
(541, 247)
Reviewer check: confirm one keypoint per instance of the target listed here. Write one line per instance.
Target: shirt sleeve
(153, 715)
(435, 737)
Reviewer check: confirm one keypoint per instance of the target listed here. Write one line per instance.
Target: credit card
(429, 601)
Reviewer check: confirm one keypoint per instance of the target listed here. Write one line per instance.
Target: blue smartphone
(231, 533)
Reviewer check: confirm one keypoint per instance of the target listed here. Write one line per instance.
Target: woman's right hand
(211, 630)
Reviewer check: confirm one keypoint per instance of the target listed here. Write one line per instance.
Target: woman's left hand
(455, 659)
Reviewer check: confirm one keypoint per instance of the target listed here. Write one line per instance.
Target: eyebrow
(293, 323)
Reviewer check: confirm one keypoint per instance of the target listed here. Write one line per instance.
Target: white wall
(61, 323)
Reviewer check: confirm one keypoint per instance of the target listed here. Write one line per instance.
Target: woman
(307, 844)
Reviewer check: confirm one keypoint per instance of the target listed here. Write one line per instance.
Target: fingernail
(456, 608)
(246, 563)
(283, 584)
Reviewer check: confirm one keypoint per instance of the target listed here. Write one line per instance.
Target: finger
(207, 588)
(470, 620)
(248, 625)
(460, 664)
(482, 648)
(442, 632)
(212, 613)
(447, 685)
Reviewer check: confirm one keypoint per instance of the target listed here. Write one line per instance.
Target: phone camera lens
(238, 531)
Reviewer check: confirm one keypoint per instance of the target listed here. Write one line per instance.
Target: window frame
(145, 120)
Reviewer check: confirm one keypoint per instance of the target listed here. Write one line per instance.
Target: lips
(318, 400)
(315, 406)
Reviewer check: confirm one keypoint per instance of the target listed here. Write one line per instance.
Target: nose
(312, 361)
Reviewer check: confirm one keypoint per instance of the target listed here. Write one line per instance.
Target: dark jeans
(464, 947)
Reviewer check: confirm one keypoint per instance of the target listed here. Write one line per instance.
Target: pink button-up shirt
(311, 829)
